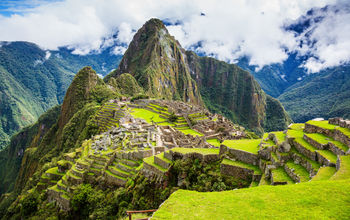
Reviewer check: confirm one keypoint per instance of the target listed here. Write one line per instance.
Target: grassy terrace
(305, 144)
(150, 161)
(310, 200)
(324, 173)
(243, 165)
(161, 156)
(329, 155)
(280, 175)
(314, 164)
(295, 133)
(115, 176)
(299, 170)
(345, 131)
(204, 151)
(214, 142)
(322, 124)
(147, 115)
(249, 145)
(297, 126)
(344, 170)
(268, 142)
(280, 136)
(323, 139)
(190, 131)
(54, 170)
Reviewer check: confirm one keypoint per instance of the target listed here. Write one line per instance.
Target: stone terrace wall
(240, 155)
(240, 172)
(314, 129)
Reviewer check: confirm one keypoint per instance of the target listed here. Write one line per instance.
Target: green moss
(243, 165)
(249, 145)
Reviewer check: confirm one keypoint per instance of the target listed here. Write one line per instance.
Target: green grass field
(280, 175)
(297, 126)
(150, 161)
(249, 145)
(299, 170)
(280, 136)
(310, 200)
(204, 151)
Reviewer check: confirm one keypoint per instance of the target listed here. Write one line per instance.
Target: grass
(319, 138)
(322, 124)
(305, 144)
(204, 151)
(54, 170)
(215, 142)
(161, 156)
(243, 165)
(297, 126)
(310, 200)
(249, 145)
(324, 173)
(190, 131)
(150, 161)
(345, 131)
(314, 164)
(295, 133)
(344, 170)
(280, 136)
(280, 175)
(113, 175)
(329, 155)
(299, 170)
(147, 115)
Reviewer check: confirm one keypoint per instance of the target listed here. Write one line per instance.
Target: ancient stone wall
(240, 155)
(240, 172)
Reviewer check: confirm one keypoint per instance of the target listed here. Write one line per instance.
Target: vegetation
(301, 201)
(249, 145)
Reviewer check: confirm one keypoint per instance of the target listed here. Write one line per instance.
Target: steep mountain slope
(157, 62)
(67, 130)
(33, 80)
(165, 70)
(229, 90)
(325, 94)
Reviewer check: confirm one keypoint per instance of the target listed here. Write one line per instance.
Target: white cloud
(228, 30)
(47, 55)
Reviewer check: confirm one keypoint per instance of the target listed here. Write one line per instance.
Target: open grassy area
(203, 151)
(214, 142)
(161, 156)
(324, 173)
(344, 170)
(249, 145)
(147, 115)
(322, 124)
(310, 200)
(190, 131)
(243, 165)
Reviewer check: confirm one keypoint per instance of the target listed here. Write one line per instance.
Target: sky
(224, 29)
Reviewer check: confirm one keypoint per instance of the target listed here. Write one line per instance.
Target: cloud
(223, 29)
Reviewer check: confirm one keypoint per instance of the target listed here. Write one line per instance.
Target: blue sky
(10, 7)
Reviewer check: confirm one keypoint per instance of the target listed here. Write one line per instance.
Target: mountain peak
(158, 63)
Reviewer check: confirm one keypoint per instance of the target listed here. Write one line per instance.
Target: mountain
(325, 94)
(157, 62)
(32, 80)
(165, 70)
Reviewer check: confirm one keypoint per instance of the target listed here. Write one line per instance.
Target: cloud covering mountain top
(224, 29)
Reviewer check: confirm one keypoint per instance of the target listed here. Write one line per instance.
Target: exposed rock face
(157, 62)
